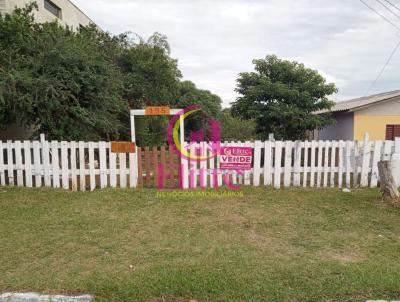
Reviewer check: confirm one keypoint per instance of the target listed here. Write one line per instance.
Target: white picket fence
(70, 165)
(302, 163)
(90, 165)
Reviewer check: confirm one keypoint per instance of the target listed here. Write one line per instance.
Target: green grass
(123, 245)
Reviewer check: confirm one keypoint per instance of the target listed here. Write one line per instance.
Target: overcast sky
(215, 40)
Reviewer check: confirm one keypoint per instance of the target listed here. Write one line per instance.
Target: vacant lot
(288, 245)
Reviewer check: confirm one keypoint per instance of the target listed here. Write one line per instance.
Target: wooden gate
(158, 168)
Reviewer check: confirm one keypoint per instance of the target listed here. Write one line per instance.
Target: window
(51, 7)
(392, 131)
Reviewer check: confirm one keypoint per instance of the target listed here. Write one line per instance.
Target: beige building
(64, 11)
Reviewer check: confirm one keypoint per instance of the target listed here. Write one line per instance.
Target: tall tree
(282, 97)
(80, 85)
(189, 94)
(150, 77)
(57, 80)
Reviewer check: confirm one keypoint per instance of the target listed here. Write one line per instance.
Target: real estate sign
(236, 158)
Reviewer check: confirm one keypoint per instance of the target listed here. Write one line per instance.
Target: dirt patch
(344, 257)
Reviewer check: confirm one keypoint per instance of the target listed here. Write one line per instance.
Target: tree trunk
(388, 184)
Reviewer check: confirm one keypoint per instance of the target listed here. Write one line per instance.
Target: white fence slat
(267, 163)
(366, 156)
(193, 166)
(82, 167)
(122, 170)
(387, 150)
(326, 162)
(233, 173)
(135, 169)
(321, 145)
(74, 180)
(356, 161)
(287, 168)
(333, 163)
(241, 175)
(247, 173)
(92, 176)
(376, 158)
(203, 165)
(46, 163)
(278, 164)
(103, 164)
(10, 164)
(2, 168)
(37, 164)
(211, 165)
(297, 164)
(312, 163)
(348, 154)
(54, 164)
(185, 169)
(257, 163)
(219, 175)
(132, 173)
(340, 164)
(305, 163)
(64, 165)
(113, 167)
(28, 164)
(18, 163)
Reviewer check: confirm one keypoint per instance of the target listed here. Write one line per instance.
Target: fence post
(278, 165)
(267, 163)
(365, 161)
(271, 137)
(395, 161)
(297, 163)
(257, 163)
(2, 166)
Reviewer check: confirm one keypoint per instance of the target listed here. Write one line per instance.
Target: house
(378, 115)
(64, 11)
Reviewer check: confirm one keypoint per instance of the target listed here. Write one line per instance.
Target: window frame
(392, 131)
(53, 8)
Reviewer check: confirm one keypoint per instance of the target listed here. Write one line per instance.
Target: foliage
(189, 94)
(56, 79)
(150, 78)
(235, 129)
(282, 97)
(80, 84)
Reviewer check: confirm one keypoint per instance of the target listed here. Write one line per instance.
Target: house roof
(358, 103)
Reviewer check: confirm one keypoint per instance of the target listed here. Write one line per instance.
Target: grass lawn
(124, 245)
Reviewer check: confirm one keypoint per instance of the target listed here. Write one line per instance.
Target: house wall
(375, 125)
(70, 14)
(373, 119)
(341, 130)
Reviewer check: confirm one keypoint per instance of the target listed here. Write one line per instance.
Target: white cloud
(215, 40)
